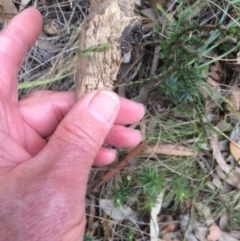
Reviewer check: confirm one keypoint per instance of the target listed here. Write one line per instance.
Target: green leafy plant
(151, 182)
(122, 193)
(88, 237)
(131, 232)
(181, 189)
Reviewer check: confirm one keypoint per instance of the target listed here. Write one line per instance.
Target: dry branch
(109, 21)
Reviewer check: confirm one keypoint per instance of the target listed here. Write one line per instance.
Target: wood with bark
(113, 22)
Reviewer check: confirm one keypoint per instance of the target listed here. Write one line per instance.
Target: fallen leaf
(149, 13)
(235, 234)
(233, 98)
(205, 211)
(214, 233)
(235, 151)
(234, 144)
(232, 178)
(227, 237)
(191, 236)
(119, 214)
(166, 238)
(24, 3)
(201, 232)
(154, 228)
(46, 45)
(169, 149)
(8, 7)
(169, 228)
(218, 155)
(6, 17)
(184, 222)
(138, 2)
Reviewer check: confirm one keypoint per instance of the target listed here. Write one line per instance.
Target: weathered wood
(109, 21)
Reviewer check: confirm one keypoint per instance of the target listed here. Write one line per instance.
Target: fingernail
(104, 105)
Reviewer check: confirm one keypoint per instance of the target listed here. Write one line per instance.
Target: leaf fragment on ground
(235, 151)
(149, 13)
(46, 45)
(119, 214)
(24, 3)
(205, 211)
(8, 6)
(218, 155)
(169, 149)
(233, 98)
(232, 178)
(214, 233)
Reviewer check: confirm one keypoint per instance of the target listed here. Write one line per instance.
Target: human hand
(49, 143)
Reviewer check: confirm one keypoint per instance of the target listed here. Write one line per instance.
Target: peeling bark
(113, 22)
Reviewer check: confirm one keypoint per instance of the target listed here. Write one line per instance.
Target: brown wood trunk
(109, 21)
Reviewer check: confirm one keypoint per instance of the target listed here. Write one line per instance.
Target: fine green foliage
(181, 52)
(151, 183)
(95, 48)
(88, 237)
(151, 180)
(131, 232)
(122, 193)
(181, 189)
(235, 219)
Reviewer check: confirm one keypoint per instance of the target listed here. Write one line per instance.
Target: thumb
(80, 135)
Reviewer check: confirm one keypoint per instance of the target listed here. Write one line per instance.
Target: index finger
(15, 40)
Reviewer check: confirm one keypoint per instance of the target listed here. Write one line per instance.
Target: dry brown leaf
(46, 45)
(200, 232)
(169, 228)
(235, 151)
(8, 6)
(149, 13)
(166, 238)
(6, 17)
(169, 149)
(232, 178)
(119, 214)
(218, 155)
(214, 233)
(234, 99)
(216, 71)
(205, 211)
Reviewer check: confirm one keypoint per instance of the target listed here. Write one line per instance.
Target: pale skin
(49, 142)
